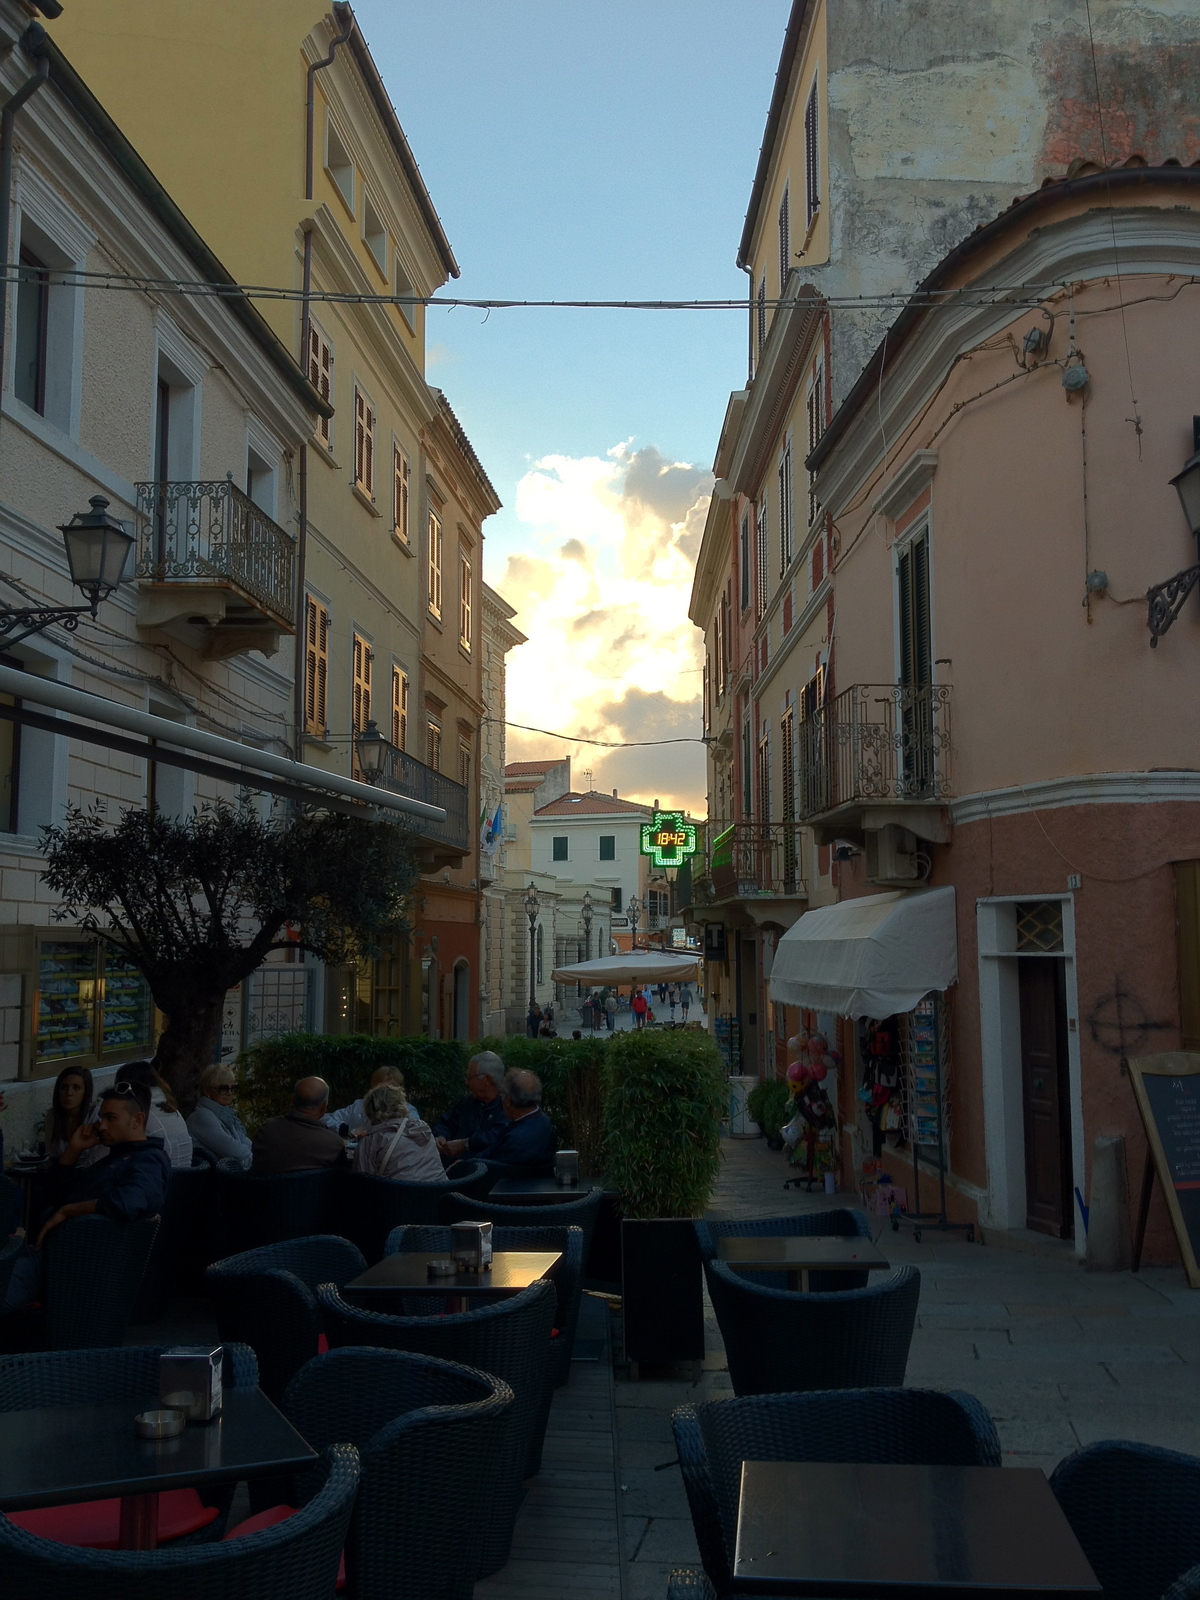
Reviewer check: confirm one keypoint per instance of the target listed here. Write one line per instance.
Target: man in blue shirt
(480, 1110)
(523, 1145)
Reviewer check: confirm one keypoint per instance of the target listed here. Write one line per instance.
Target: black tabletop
(511, 1271)
(954, 1533)
(56, 1456)
(801, 1250)
(548, 1189)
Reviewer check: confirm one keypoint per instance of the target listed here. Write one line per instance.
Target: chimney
(615, 794)
(656, 802)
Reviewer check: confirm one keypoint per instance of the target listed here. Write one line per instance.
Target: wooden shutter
(320, 375)
(464, 600)
(761, 574)
(785, 510)
(400, 708)
(815, 415)
(812, 166)
(785, 239)
(435, 564)
(364, 443)
(363, 657)
(916, 651)
(316, 666)
(400, 487)
(1187, 919)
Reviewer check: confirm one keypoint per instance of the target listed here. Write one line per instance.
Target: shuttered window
(320, 375)
(400, 708)
(433, 745)
(762, 312)
(764, 778)
(1187, 918)
(785, 240)
(361, 707)
(785, 509)
(435, 564)
(912, 577)
(400, 491)
(316, 667)
(763, 556)
(364, 443)
(812, 164)
(465, 599)
(815, 418)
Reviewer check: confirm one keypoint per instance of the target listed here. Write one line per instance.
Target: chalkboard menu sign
(1167, 1088)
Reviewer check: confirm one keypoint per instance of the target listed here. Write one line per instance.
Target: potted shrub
(770, 1106)
(663, 1105)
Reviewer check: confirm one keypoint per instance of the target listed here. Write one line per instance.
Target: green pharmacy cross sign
(668, 839)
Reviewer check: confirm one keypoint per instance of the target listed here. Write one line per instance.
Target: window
(375, 235)
(316, 667)
(360, 711)
(815, 413)
(718, 655)
(405, 294)
(616, 902)
(608, 847)
(785, 509)
(339, 165)
(400, 493)
(464, 765)
(762, 312)
(464, 599)
(10, 761)
(812, 170)
(364, 443)
(433, 745)
(763, 536)
(764, 777)
(320, 375)
(400, 708)
(435, 564)
(785, 240)
(558, 849)
(745, 564)
(33, 317)
(747, 782)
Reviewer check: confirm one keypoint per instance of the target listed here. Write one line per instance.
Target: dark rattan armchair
(93, 1271)
(257, 1210)
(579, 1213)
(178, 1256)
(841, 1222)
(373, 1207)
(918, 1427)
(778, 1341)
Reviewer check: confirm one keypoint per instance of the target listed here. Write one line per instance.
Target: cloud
(601, 586)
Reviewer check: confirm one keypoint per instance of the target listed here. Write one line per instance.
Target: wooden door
(1045, 1096)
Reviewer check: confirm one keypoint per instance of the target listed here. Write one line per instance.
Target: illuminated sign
(668, 839)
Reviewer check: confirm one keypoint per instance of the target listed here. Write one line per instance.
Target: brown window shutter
(1187, 915)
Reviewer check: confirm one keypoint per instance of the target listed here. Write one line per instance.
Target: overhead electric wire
(607, 744)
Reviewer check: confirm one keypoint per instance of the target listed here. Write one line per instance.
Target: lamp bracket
(35, 619)
(1166, 601)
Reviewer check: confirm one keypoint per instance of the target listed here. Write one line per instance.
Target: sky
(594, 149)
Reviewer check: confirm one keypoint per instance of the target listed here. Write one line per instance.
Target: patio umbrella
(633, 966)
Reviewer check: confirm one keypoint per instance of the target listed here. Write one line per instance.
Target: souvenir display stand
(925, 1053)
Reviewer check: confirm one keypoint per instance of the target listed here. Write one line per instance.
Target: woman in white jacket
(214, 1125)
(397, 1146)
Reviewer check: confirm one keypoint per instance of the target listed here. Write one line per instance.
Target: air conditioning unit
(894, 855)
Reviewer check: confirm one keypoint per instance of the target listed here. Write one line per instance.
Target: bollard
(1109, 1245)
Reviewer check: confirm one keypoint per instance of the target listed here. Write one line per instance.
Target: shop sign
(668, 839)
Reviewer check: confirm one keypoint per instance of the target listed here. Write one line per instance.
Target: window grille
(1040, 927)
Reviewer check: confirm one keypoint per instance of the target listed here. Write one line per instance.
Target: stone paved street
(1060, 1357)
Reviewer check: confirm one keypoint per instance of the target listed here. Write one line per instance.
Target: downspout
(305, 336)
(8, 117)
(749, 271)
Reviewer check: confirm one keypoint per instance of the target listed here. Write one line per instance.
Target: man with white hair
(523, 1146)
(480, 1111)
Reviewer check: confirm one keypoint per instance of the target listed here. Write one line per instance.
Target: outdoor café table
(407, 1273)
(882, 1532)
(800, 1255)
(57, 1456)
(541, 1191)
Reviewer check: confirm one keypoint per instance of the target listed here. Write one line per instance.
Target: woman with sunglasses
(215, 1125)
(70, 1105)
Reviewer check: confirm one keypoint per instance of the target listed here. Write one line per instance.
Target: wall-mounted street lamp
(98, 549)
(532, 906)
(1166, 599)
(370, 749)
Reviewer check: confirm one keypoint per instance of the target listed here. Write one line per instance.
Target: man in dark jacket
(523, 1147)
(129, 1183)
(298, 1141)
(481, 1108)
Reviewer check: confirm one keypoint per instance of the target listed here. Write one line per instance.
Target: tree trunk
(189, 1043)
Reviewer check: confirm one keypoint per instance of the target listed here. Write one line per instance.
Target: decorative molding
(46, 207)
(1091, 789)
(908, 483)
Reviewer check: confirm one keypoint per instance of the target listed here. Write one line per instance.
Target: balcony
(213, 569)
(757, 865)
(874, 755)
(444, 843)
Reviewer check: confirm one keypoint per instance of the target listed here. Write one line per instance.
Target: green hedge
(770, 1106)
(433, 1070)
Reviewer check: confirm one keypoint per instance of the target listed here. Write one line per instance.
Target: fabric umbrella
(633, 966)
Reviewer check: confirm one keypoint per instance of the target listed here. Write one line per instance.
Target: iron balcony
(448, 841)
(875, 745)
(749, 861)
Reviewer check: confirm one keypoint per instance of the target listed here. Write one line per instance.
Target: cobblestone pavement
(1059, 1356)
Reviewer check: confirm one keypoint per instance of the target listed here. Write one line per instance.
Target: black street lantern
(532, 906)
(1166, 599)
(634, 912)
(98, 549)
(586, 913)
(370, 747)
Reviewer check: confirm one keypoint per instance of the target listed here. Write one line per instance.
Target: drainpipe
(8, 117)
(305, 334)
(749, 271)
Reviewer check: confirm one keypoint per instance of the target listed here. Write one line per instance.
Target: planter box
(662, 1291)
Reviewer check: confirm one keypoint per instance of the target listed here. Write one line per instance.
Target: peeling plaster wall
(939, 115)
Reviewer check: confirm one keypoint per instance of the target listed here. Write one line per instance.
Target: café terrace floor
(1060, 1357)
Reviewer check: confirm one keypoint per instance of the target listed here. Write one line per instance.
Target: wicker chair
(840, 1222)
(430, 1434)
(51, 1378)
(92, 1273)
(567, 1279)
(179, 1246)
(689, 1583)
(778, 1341)
(8, 1254)
(257, 1210)
(509, 1338)
(1135, 1509)
(297, 1560)
(372, 1207)
(265, 1299)
(918, 1427)
(581, 1213)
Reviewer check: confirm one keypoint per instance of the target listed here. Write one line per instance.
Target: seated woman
(215, 1125)
(70, 1105)
(396, 1146)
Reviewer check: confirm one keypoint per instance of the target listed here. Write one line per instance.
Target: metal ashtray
(159, 1424)
(442, 1269)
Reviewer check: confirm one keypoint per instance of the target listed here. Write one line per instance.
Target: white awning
(634, 966)
(868, 957)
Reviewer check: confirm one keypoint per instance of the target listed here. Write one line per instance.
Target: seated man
(298, 1141)
(523, 1147)
(354, 1115)
(128, 1183)
(481, 1108)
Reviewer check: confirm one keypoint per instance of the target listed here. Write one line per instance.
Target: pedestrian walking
(533, 1020)
(610, 1011)
(640, 1006)
(685, 999)
(673, 998)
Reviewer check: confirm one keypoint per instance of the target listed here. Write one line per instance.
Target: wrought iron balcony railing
(876, 742)
(211, 534)
(749, 859)
(404, 774)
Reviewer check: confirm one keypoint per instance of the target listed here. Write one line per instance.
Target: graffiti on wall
(1121, 1025)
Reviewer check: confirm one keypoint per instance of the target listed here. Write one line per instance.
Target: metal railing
(210, 532)
(746, 859)
(404, 774)
(876, 741)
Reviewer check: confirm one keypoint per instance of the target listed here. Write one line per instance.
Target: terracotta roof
(591, 805)
(519, 769)
(521, 785)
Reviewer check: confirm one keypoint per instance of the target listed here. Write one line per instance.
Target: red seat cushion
(96, 1524)
(270, 1519)
(322, 1345)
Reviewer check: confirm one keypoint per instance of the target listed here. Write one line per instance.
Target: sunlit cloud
(601, 589)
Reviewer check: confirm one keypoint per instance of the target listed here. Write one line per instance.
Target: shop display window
(90, 1003)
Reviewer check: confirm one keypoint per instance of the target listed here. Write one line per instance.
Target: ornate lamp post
(634, 911)
(586, 914)
(532, 906)
(98, 549)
